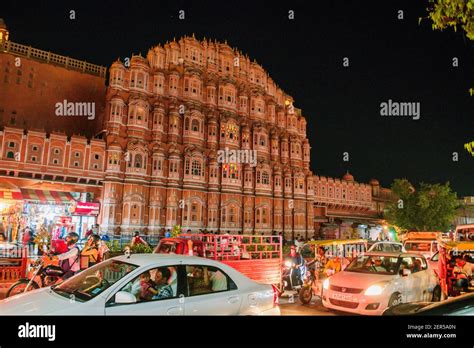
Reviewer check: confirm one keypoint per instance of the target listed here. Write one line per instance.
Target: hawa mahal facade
(151, 155)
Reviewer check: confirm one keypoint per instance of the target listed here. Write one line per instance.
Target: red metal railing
(258, 257)
(238, 247)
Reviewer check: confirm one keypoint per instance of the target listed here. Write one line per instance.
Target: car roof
(447, 302)
(147, 259)
(392, 254)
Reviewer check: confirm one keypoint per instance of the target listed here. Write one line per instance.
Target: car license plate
(344, 297)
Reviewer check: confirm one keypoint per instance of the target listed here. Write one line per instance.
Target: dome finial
(348, 176)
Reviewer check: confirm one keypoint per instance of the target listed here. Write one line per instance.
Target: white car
(183, 285)
(389, 247)
(427, 247)
(376, 281)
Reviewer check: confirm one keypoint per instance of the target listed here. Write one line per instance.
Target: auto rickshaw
(318, 255)
(448, 252)
(464, 233)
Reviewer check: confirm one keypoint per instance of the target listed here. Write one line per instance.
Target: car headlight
(375, 289)
(326, 284)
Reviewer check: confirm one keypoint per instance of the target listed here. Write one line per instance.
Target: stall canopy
(42, 196)
(10, 195)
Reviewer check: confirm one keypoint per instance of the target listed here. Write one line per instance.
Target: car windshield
(418, 246)
(374, 264)
(93, 281)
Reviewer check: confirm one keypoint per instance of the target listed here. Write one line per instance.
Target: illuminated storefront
(56, 211)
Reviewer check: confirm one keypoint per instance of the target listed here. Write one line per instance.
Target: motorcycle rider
(70, 260)
(298, 268)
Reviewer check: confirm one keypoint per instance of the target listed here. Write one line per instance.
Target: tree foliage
(452, 13)
(428, 208)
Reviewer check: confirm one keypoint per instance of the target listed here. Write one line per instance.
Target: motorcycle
(44, 273)
(310, 283)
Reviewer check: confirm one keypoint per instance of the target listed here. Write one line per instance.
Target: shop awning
(44, 196)
(10, 195)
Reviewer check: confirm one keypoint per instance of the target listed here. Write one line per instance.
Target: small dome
(2, 24)
(117, 64)
(348, 177)
(374, 182)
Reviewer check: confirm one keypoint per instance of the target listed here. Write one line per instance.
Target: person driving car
(160, 283)
(377, 265)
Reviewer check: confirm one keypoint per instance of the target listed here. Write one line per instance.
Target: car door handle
(233, 299)
(175, 311)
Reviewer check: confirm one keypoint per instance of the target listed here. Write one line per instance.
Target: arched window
(196, 167)
(194, 209)
(223, 215)
(138, 161)
(264, 215)
(265, 178)
(195, 125)
(186, 123)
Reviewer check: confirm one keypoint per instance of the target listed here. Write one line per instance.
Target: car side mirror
(406, 272)
(125, 297)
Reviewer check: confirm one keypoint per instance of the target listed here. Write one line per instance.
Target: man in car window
(161, 285)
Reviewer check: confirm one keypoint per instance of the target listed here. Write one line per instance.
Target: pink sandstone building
(152, 155)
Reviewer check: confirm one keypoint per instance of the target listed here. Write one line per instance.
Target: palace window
(138, 161)
(195, 125)
(196, 168)
(277, 181)
(265, 178)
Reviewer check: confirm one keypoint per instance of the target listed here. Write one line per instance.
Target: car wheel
(436, 294)
(395, 299)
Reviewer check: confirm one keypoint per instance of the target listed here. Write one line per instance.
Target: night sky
(389, 59)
